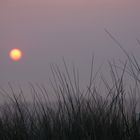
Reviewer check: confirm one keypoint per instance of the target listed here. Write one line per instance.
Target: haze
(47, 30)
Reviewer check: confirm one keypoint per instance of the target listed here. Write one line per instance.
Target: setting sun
(15, 54)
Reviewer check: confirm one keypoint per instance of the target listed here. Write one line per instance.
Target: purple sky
(47, 30)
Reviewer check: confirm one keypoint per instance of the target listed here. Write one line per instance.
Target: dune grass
(77, 114)
(107, 111)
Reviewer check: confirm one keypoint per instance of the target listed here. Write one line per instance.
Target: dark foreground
(77, 114)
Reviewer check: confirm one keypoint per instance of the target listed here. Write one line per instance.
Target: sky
(48, 30)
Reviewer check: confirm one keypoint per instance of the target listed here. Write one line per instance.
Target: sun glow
(15, 54)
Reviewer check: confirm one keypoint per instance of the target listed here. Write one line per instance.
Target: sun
(15, 54)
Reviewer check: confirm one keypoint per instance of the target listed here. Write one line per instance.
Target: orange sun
(15, 54)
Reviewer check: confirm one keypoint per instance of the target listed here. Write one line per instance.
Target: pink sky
(46, 30)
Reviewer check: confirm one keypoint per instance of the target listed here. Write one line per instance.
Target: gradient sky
(47, 30)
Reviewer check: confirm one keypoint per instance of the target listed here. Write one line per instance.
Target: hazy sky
(47, 30)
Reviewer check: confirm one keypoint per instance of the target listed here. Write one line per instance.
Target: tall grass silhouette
(77, 114)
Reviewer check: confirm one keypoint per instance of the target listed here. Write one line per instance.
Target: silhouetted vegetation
(106, 112)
